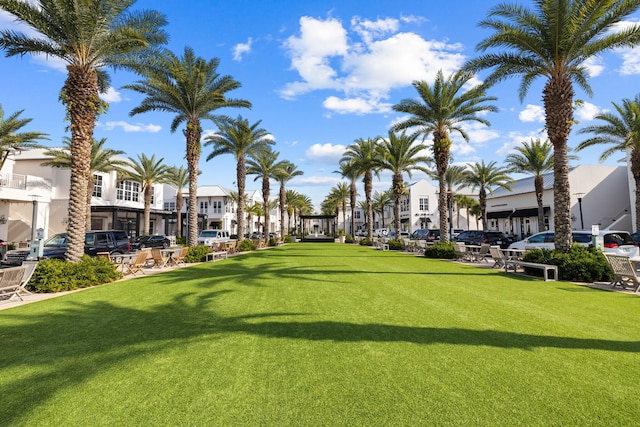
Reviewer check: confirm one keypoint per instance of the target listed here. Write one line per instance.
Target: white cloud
(515, 139)
(594, 66)
(587, 111)
(326, 153)
(111, 95)
(325, 59)
(128, 127)
(240, 49)
(532, 113)
(327, 181)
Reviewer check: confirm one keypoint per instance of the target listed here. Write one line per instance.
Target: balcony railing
(13, 180)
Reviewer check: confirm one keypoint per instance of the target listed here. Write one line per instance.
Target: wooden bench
(212, 256)
(546, 268)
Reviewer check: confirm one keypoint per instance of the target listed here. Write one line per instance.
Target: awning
(403, 220)
(498, 214)
(531, 212)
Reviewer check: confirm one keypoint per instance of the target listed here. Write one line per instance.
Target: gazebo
(318, 228)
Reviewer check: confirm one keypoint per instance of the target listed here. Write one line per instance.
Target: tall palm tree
(88, 36)
(291, 199)
(400, 154)
(462, 201)
(533, 158)
(146, 171)
(299, 203)
(379, 202)
(191, 88)
(485, 177)
(254, 209)
(552, 41)
(341, 192)
(178, 177)
(285, 173)
(455, 178)
(441, 110)
(11, 140)
(241, 139)
(622, 131)
(362, 156)
(352, 174)
(101, 160)
(265, 166)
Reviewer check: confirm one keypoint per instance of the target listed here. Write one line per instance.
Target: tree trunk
(266, 190)
(179, 202)
(368, 185)
(558, 105)
(354, 194)
(241, 175)
(635, 171)
(193, 135)
(397, 193)
(482, 199)
(147, 209)
(441, 147)
(539, 186)
(82, 103)
(282, 210)
(90, 185)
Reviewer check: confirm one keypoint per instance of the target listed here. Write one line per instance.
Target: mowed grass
(324, 335)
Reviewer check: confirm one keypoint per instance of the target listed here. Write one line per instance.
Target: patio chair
(136, 264)
(11, 282)
(159, 260)
(461, 251)
(179, 258)
(624, 271)
(498, 256)
(483, 254)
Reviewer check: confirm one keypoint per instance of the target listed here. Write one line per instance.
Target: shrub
(246, 245)
(348, 239)
(366, 242)
(395, 245)
(197, 253)
(181, 241)
(54, 275)
(273, 242)
(440, 250)
(580, 264)
(287, 239)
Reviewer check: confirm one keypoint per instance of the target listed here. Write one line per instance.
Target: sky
(319, 75)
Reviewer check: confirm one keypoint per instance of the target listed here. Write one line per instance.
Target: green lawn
(324, 335)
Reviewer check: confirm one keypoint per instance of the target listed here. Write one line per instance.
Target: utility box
(36, 250)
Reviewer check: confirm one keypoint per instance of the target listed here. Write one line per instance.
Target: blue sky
(319, 74)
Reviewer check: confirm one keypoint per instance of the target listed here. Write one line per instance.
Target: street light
(34, 216)
(580, 208)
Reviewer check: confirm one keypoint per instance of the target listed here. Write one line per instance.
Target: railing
(13, 180)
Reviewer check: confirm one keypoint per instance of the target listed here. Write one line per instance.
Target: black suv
(112, 241)
(493, 238)
(426, 234)
(152, 241)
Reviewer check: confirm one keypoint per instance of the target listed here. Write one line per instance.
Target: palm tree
(362, 156)
(534, 158)
(233, 195)
(400, 154)
(380, 201)
(291, 199)
(285, 173)
(485, 177)
(299, 203)
(553, 41)
(463, 201)
(178, 177)
(352, 174)
(191, 88)
(265, 166)
(254, 209)
(341, 193)
(88, 36)
(242, 140)
(146, 171)
(101, 160)
(442, 110)
(455, 177)
(10, 140)
(622, 131)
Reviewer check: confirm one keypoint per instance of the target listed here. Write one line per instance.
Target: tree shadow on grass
(69, 343)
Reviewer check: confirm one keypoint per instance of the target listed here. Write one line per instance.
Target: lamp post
(34, 216)
(580, 208)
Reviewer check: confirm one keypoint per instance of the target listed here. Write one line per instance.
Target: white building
(599, 196)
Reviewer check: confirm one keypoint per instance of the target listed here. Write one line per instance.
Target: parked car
(466, 236)
(615, 242)
(429, 235)
(455, 232)
(213, 237)
(480, 237)
(116, 242)
(381, 232)
(392, 234)
(635, 237)
(152, 241)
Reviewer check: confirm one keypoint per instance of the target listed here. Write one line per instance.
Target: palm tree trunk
(89, 195)
(282, 210)
(558, 105)
(397, 193)
(353, 193)
(179, 202)
(539, 186)
(241, 175)
(81, 88)
(482, 198)
(635, 171)
(265, 196)
(193, 135)
(368, 186)
(441, 147)
(147, 210)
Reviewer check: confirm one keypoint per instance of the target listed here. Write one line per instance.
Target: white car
(615, 242)
(213, 237)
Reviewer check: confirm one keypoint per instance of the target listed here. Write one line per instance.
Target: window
(153, 195)
(170, 206)
(128, 190)
(404, 205)
(217, 206)
(97, 186)
(204, 207)
(424, 204)
(358, 214)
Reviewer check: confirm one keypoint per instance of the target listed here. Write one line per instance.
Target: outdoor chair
(136, 264)
(11, 282)
(483, 254)
(624, 271)
(498, 256)
(159, 260)
(461, 251)
(179, 258)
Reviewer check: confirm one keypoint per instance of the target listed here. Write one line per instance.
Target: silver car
(615, 242)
